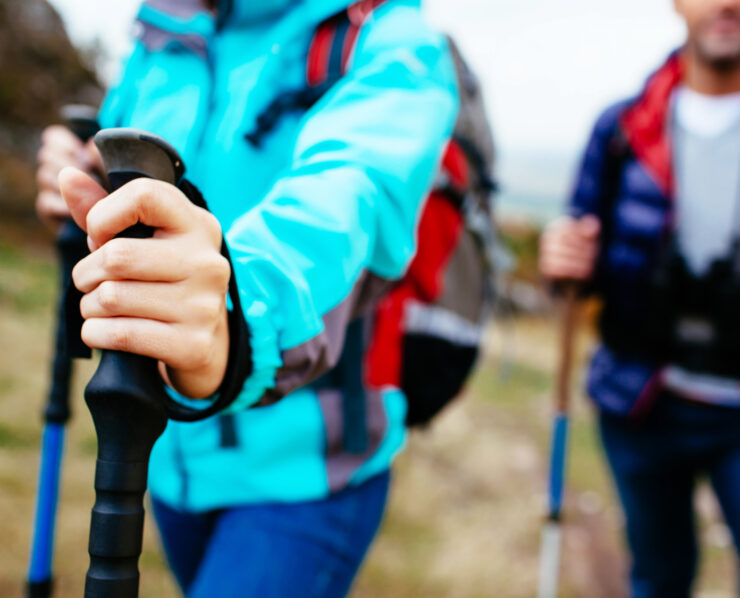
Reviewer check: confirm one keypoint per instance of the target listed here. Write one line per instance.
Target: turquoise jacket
(316, 219)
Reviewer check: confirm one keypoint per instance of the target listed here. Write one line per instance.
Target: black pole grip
(71, 245)
(82, 120)
(122, 398)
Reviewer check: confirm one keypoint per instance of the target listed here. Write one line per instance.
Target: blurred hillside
(40, 71)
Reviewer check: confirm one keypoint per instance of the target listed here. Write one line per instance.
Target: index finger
(146, 201)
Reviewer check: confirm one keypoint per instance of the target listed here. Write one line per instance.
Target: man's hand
(163, 297)
(569, 248)
(60, 148)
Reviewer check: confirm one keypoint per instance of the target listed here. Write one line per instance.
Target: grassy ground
(468, 497)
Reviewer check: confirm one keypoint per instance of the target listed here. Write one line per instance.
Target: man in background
(654, 230)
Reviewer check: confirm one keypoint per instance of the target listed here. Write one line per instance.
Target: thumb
(80, 192)
(589, 226)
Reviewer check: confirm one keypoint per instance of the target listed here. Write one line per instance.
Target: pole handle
(123, 398)
(81, 119)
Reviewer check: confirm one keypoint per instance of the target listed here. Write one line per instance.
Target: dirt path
(473, 490)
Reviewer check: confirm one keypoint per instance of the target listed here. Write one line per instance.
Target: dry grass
(468, 496)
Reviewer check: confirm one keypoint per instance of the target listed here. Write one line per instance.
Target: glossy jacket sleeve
(342, 218)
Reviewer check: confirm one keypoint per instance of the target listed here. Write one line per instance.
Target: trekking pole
(551, 534)
(71, 245)
(123, 398)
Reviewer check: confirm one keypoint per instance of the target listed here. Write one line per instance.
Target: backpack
(424, 334)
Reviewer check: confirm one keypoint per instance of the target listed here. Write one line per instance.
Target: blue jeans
(656, 464)
(277, 550)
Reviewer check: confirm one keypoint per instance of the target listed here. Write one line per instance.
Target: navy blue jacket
(626, 180)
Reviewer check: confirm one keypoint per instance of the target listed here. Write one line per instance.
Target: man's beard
(721, 55)
(721, 62)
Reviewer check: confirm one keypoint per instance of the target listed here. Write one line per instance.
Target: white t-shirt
(706, 163)
(705, 115)
(706, 160)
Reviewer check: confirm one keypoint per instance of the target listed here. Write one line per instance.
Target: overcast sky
(548, 67)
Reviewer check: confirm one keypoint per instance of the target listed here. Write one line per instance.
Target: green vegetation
(523, 241)
(26, 283)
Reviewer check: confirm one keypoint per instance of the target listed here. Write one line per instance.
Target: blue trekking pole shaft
(551, 534)
(122, 398)
(71, 246)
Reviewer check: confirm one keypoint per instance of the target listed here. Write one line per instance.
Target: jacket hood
(249, 12)
(189, 14)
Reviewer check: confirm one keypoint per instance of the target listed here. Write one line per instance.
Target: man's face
(714, 30)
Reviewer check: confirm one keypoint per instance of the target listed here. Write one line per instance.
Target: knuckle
(120, 338)
(221, 276)
(108, 296)
(76, 276)
(91, 222)
(139, 192)
(85, 310)
(222, 270)
(134, 184)
(212, 308)
(200, 348)
(85, 334)
(216, 270)
(213, 226)
(117, 256)
(140, 187)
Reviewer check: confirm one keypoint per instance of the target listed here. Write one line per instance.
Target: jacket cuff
(265, 356)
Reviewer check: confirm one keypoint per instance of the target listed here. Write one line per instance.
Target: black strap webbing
(303, 99)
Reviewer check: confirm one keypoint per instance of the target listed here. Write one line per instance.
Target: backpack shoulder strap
(329, 57)
(333, 44)
(617, 153)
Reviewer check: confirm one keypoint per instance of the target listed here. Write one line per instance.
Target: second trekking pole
(72, 247)
(552, 532)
